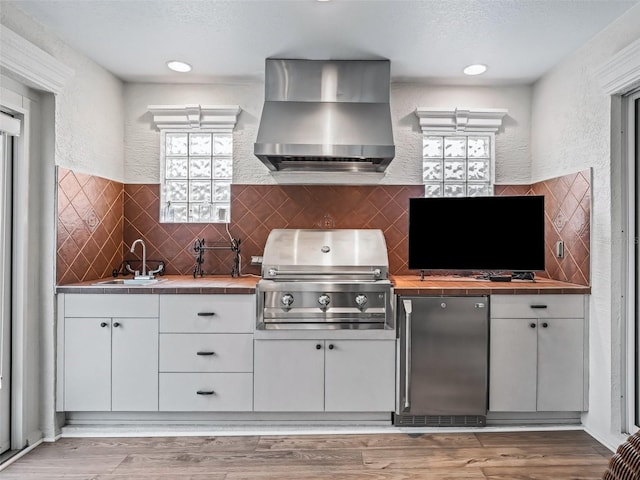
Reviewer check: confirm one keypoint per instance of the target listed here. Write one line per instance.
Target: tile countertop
(452, 285)
(404, 285)
(170, 284)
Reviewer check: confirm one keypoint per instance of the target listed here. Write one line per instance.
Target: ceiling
(426, 40)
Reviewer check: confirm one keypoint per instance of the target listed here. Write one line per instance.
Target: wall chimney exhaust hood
(326, 115)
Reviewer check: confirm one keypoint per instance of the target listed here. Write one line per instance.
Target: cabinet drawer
(537, 306)
(231, 392)
(189, 352)
(207, 313)
(110, 305)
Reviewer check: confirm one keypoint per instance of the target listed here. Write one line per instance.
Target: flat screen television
(478, 234)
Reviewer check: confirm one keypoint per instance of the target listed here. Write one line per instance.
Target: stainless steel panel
(326, 115)
(311, 253)
(310, 124)
(303, 309)
(448, 355)
(327, 80)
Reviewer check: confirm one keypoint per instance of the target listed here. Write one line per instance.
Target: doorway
(6, 181)
(630, 262)
(634, 300)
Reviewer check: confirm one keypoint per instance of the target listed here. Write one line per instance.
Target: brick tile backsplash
(98, 220)
(89, 227)
(567, 218)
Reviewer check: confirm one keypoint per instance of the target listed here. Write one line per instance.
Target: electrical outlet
(560, 249)
(256, 260)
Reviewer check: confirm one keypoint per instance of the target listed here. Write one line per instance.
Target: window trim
(463, 122)
(213, 119)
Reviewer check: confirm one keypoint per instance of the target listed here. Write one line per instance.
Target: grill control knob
(287, 299)
(324, 300)
(361, 301)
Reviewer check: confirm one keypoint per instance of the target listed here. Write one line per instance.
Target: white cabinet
(110, 361)
(87, 364)
(206, 352)
(324, 375)
(289, 376)
(537, 353)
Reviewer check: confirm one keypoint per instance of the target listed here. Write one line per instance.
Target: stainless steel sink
(131, 281)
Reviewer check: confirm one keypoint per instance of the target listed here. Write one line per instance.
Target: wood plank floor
(457, 456)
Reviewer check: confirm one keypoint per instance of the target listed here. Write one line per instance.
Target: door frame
(6, 147)
(631, 296)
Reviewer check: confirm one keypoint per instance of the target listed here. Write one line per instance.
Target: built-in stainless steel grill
(325, 279)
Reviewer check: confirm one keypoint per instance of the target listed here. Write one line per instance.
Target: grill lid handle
(274, 272)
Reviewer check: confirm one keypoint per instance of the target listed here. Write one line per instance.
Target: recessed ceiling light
(475, 69)
(178, 66)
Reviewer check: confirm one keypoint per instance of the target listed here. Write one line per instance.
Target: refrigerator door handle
(408, 308)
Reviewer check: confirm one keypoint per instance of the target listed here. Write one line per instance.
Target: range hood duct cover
(326, 115)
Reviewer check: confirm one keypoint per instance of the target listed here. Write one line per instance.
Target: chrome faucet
(144, 260)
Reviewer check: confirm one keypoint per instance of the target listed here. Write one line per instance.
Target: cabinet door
(360, 375)
(134, 364)
(289, 376)
(512, 365)
(87, 364)
(560, 364)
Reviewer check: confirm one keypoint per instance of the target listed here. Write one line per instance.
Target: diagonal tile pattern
(99, 219)
(257, 209)
(567, 218)
(89, 227)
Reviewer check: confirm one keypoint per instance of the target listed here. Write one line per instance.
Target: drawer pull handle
(205, 392)
(206, 314)
(538, 306)
(205, 354)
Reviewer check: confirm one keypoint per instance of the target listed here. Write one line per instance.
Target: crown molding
(621, 74)
(217, 117)
(31, 65)
(451, 120)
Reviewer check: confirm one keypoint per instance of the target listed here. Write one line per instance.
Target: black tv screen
(486, 234)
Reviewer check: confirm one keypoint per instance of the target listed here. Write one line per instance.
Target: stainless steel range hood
(326, 115)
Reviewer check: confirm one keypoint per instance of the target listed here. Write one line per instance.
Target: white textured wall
(89, 111)
(142, 142)
(571, 130)
(512, 141)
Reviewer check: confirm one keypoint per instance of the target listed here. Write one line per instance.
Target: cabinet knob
(205, 392)
(532, 325)
(116, 324)
(331, 347)
(545, 325)
(104, 324)
(318, 346)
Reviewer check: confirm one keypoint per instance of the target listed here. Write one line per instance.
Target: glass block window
(196, 174)
(457, 165)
